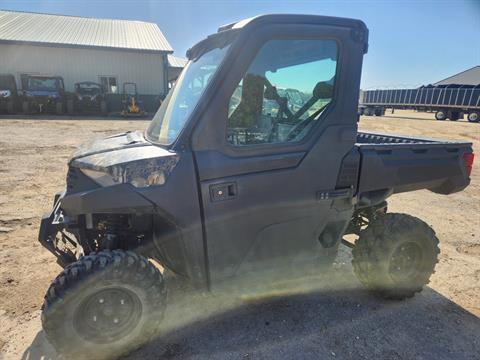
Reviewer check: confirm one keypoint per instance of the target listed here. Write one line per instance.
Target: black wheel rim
(405, 262)
(108, 315)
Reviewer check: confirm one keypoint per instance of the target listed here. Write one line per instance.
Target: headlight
(100, 177)
(106, 179)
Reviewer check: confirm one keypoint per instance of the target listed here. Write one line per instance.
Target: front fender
(116, 199)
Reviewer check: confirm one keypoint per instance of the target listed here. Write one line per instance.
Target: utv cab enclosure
(230, 178)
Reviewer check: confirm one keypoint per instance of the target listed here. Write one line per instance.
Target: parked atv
(43, 94)
(8, 93)
(89, 97)
(132, 106)
(219, 187)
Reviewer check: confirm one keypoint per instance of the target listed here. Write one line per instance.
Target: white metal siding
(80, 64)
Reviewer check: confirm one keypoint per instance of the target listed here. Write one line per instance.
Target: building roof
(176, 62)
(468, 77)
(61, 30)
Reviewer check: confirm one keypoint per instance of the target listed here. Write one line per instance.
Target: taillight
(468, 161)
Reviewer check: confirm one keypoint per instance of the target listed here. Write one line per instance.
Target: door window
(282, 96)
(109, 83)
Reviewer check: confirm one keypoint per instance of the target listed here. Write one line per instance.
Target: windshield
(45, 84)
(89, 88)
(179, 104)
(6, 83)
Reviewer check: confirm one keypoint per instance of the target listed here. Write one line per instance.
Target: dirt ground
(335, 318)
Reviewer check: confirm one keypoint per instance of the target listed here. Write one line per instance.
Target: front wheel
(474, 117)
(395, 256)
(104, 305)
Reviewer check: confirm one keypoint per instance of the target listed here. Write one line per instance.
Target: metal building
(107, 51)
(176, 65)
(468, 77)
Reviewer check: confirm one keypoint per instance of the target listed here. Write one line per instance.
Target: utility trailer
(447, 101)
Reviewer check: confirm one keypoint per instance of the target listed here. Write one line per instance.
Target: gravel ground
(326, 316)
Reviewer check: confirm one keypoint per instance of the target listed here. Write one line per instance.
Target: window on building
(287, 87)
(109, 83)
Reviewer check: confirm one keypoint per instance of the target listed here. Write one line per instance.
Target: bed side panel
(409, 167)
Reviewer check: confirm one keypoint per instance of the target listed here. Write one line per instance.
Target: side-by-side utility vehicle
(220, 185)
(8, 93)
(89, 97)
(43, 94)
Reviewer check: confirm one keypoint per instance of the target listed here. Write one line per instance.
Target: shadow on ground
(80, 117)
(322, 317)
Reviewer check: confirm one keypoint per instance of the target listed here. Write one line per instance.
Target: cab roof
(359, 29)
(293, 19)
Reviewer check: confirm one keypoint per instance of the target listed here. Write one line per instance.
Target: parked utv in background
(43, 94)
(8, 93)
(89, 97)
(220, 186)
(132, 106)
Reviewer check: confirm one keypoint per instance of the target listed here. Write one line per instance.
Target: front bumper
(53, 224)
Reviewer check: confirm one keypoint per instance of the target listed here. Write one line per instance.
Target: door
(269, 161)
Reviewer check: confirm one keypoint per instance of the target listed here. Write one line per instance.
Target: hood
(125, 157)
(125, 140)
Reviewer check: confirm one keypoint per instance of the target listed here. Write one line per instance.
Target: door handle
(223, 191)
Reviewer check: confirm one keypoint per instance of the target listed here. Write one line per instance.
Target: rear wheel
(59, 108)
(441, 115)
(474, 117)
(10, 107)
(395, 256)
(104, 305)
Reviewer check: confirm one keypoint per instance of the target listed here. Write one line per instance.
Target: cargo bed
(396, 164)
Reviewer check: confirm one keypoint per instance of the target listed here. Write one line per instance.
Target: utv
(218, 186)
(8, 93)
(89, 97)
(43, 94)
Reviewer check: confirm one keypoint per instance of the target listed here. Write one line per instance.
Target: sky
(411, 43)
